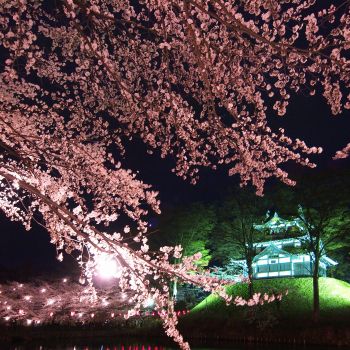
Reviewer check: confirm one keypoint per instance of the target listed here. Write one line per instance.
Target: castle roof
(271, 251)
(276, 224)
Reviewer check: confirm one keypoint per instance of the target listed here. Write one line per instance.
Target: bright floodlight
(149, 302)
(107, 267)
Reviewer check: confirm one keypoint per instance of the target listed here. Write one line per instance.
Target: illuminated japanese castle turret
(285, 253)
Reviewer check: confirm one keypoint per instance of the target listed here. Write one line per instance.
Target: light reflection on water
(105, 347)
(139, 346)
(93, 347)
(157, 347)
(96, 347)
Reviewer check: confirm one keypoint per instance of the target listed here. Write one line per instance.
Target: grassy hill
(294, 310)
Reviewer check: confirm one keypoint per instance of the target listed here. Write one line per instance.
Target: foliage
(190, 227)
(235, 231)
(342, 257)
(193, 79)
(324, 212)
(321, 203)
(236, 214)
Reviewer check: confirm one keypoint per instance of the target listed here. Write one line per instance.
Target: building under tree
(283, 253)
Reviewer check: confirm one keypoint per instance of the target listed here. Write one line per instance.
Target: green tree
(323, 208)
(190, 227)
(234, 234)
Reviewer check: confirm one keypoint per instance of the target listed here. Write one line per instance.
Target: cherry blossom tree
(193, 79)
(65, 301)
(344, 153)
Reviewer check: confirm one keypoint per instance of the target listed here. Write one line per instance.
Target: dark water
(143, 347)
(103, 347)
(148, 346)
(80, 347)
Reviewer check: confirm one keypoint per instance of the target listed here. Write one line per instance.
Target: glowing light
(43, 290)
(64, 280)
(29, 322)
(27, 297)
(107, 267)
(50, 301)
(51, 314)
(149, 302)
(7, 318)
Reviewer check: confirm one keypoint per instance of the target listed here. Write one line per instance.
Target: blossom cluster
(65, 302)
(193, 79)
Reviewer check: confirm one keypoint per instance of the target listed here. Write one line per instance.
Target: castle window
(263, 268)
(285, 266)
(274, 268)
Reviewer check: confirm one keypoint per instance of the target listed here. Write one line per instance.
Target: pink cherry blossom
(80, 79)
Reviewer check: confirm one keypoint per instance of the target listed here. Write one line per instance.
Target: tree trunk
(250, 276)
(316, 293)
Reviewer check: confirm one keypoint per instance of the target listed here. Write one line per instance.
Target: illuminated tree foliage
(238, 214)
(193, 79)
(189, 226)
(327, 223)
(321, 203)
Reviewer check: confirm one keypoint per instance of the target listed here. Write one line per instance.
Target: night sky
(308, 118)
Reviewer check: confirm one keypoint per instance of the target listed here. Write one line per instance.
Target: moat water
(151, 346)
